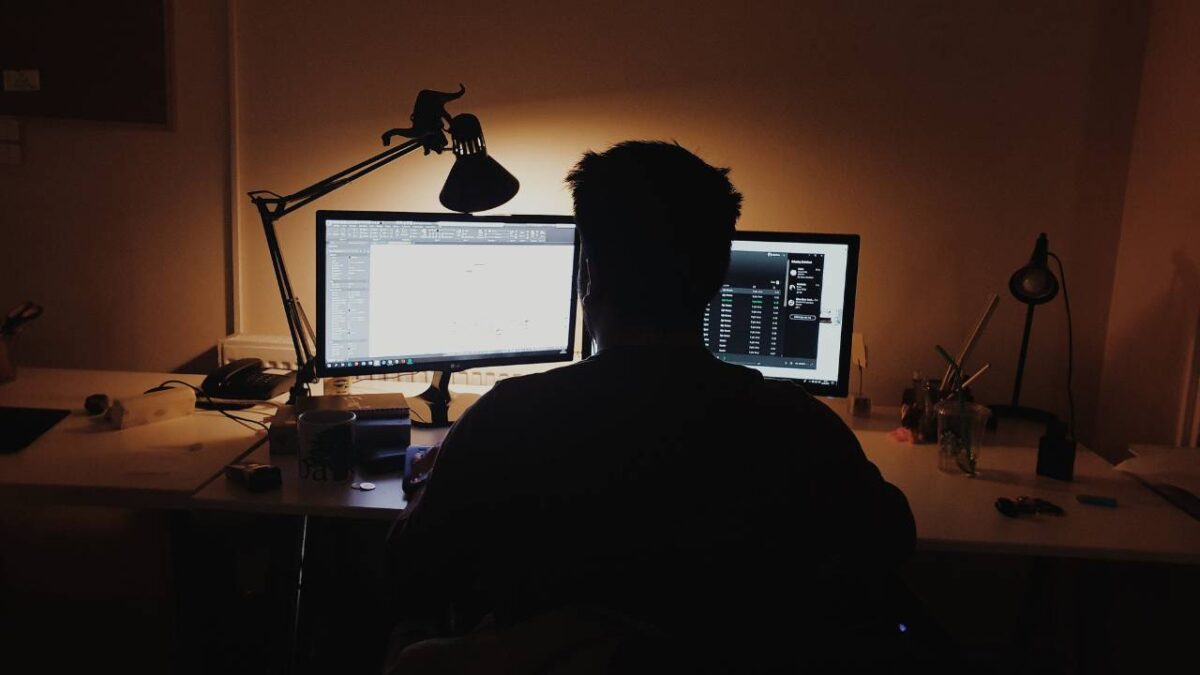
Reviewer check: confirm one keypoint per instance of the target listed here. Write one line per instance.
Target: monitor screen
(404, 292)
(787, 308)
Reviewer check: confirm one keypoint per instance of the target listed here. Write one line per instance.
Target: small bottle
(913, 412)
(337, 386)
(927, 425)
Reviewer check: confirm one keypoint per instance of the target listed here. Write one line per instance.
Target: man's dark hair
(656, 222)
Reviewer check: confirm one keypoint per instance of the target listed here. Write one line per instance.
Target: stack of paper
(1172, 472)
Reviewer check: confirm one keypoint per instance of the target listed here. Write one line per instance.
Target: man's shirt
(660, 482)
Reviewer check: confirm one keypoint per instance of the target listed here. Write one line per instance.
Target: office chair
(573, 640)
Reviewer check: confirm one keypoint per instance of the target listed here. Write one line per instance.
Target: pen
(974, 377)
(980, 326)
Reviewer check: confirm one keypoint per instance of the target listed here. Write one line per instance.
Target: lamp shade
(476, 181)
(1035, 284)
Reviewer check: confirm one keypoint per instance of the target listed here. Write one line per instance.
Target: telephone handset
(246, 379)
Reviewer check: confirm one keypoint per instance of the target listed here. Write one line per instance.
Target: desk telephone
(246, 379)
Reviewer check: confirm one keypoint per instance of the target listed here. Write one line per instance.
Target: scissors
(20, 315)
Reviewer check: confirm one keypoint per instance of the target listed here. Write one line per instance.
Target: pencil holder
(8, 370)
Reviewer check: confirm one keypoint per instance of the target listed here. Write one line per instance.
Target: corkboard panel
(104, 61)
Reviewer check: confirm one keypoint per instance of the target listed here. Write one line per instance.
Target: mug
(326, 445)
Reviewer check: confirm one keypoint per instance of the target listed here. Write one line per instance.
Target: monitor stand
(435, 407)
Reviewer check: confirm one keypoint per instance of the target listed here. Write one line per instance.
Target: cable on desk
(244, 421)
(1070, 342)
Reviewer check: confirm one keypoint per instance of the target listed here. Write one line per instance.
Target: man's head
(656, 222)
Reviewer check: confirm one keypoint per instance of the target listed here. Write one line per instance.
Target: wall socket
(28, 79)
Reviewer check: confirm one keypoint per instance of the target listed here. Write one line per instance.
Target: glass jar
(960, 433)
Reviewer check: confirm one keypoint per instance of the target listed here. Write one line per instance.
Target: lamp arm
(300, 343)
(279, 207)
(271, 207)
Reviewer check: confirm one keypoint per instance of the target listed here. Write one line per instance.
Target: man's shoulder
(792, 393)
(568, 375)
(777, 393)
(521, 389)
(783, 404)
(718, 376)
(742, 392)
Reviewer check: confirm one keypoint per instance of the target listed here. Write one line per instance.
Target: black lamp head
(1035, 284)
(476, 181)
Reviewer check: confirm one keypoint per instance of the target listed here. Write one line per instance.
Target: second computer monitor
(787, 308)
(443, 292)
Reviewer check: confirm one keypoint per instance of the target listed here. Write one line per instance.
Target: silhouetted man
(733, 518)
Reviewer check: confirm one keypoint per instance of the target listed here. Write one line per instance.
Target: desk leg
(236, 579)
(297, 604)
(339, 622)
(1044, 632)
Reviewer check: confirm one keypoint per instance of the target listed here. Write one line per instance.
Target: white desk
(298, 497)
(178, 464)
(86, 461)
(953, 512)
(957, 512)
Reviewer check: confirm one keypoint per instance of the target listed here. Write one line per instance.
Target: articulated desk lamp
(476, 183)
(1034, 284)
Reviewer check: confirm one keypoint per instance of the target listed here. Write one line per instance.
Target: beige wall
(121, 232)
(947, 134)
(1156, 297)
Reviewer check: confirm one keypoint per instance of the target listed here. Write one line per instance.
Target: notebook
(21, 426)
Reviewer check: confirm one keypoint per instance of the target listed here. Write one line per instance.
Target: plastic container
(337, 386)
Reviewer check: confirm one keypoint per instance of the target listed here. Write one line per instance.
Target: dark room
(663, 336)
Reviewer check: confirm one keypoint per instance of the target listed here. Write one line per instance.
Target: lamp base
(433, 415)
(1019, 412)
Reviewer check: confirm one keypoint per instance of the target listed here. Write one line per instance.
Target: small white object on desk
(157, 406)
(859, 405)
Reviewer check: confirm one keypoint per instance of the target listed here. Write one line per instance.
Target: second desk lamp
(1033, 284)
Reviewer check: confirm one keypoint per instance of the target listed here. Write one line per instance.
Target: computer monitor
(443, 292)
(787, 308)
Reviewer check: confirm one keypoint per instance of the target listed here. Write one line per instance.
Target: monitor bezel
(452, 365)
(842, 387)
